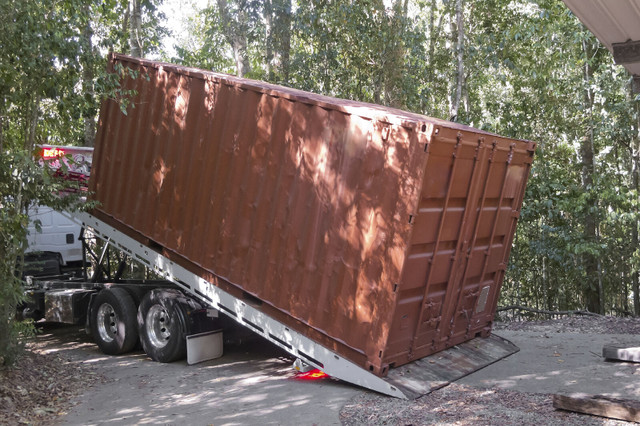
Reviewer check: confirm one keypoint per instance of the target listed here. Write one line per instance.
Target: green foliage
(110, 21)
(22, 184)
(206, 48)
(43, 70)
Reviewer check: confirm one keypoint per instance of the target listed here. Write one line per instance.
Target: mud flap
(204, 346)
(438, 370)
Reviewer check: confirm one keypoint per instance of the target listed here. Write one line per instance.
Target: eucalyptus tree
(227, 36)
(134, 27)
(278, 17)
(457, 97)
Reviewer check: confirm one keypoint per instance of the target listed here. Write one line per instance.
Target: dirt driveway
(254, 384)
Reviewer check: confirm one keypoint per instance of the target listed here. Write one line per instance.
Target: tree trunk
(135, 28)
(432, 39)
(625, 289)
(269, 37)
(2, 112)
(87, 78)
(284, 29)
(635, 176)
(32, 124)
(235, 31)
(391, 59)
(455, 106)
(125, 22)
(591, 287)
(278, 39)
(590, 262)
(394, 64)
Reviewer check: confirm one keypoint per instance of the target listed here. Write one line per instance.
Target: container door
(470, 199)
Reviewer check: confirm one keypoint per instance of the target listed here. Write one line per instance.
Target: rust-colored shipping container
(381, 234)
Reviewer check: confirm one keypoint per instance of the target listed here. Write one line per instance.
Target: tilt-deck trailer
(361, 239)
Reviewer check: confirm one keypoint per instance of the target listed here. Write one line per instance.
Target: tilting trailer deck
(360, 239)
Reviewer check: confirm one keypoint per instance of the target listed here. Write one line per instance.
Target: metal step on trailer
(406, 382)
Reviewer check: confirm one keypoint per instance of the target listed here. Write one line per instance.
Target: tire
(162, 325)
(113, 321)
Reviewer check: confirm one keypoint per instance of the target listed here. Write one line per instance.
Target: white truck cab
(58, 236)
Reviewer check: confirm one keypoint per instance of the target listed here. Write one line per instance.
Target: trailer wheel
(113, 321)
(161, 325)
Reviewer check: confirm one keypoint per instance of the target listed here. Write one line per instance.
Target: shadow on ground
(253, 383)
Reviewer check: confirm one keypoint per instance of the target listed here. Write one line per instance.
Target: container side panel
(306, 209)
(261, 156)
(220, 185)
(104, 128)
(206, 210)
(112, 167)
(187, 184)
(234, 234)
(275, 181)
(163, 165)
(144, 115)
(178, 160)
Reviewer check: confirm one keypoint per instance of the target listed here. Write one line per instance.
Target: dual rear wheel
(162, 325)
(159, 323)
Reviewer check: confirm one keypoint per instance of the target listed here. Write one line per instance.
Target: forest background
(520, 68)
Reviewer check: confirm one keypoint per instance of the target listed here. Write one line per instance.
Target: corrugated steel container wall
(371, 230)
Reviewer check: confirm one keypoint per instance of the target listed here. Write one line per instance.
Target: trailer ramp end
(438, 370)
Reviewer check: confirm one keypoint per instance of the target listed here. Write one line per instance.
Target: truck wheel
(161, 325)
(113, 321)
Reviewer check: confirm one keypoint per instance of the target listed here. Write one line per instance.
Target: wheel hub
(158, 326)
(107, 323)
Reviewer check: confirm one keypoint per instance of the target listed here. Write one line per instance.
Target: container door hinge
(479, 147)
(512, 147)
(385, 133)
(494, 146)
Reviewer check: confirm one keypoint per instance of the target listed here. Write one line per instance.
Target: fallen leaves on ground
(576, 324)
(463, 405)
(38, 388)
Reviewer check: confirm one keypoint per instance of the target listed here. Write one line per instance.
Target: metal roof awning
(616, 23)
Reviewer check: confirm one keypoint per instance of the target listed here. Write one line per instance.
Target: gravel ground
(458, 404)
(576, 324)
(463, 405)
(39, 389)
